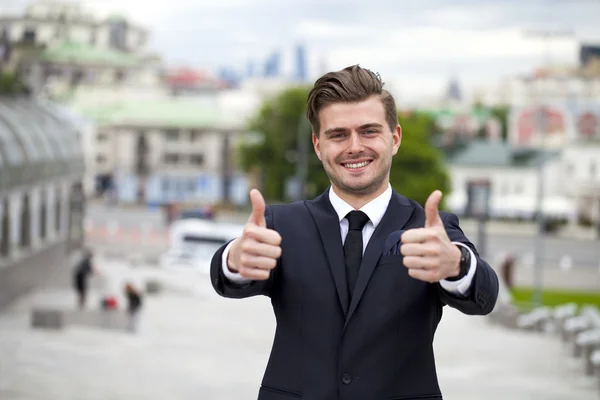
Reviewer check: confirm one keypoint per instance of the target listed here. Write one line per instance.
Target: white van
(193, 243)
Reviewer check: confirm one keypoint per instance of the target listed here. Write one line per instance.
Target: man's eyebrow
(371, 125)
(331, 131)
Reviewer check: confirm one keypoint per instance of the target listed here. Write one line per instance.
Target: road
(501, 239)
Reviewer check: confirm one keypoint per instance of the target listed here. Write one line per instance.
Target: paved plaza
(195, 345)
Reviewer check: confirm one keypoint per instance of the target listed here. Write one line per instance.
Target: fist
(428, 253)
(255, 253)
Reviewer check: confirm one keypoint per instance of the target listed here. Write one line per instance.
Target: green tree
(501, 113)
(417, 169)
(10, 84)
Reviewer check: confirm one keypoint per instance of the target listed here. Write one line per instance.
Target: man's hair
(349, 85)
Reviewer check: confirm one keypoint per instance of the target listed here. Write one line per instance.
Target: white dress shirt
(375, 209)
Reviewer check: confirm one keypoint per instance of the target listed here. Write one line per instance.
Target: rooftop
(171, 112)
(485, 153)
(80, 53)
(37, 142)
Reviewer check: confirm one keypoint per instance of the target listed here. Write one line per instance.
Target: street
(501, 238)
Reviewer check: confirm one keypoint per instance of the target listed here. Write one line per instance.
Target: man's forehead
(357, 113)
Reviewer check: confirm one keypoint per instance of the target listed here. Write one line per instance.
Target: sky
(416, 46)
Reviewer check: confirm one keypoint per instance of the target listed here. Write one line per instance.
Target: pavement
(192, 344)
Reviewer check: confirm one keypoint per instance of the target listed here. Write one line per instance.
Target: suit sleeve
(483, 292)
(227, 288)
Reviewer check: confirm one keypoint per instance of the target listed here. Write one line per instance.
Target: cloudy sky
(415, 45)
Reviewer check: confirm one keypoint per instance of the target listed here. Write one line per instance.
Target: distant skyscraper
(230, 76)
(301, 73)
(250, 69)
(273, 65)
(454, 92)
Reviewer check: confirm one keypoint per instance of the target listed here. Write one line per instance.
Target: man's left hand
(428, 253)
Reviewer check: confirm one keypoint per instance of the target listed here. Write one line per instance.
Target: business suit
(375, 344)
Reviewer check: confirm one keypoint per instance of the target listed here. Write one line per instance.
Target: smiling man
(359, 276)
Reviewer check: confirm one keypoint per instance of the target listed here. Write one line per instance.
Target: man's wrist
(464, 262)
(230, 265)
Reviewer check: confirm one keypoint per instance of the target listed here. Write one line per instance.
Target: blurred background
(135, 130)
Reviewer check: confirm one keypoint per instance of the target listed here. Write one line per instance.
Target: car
(193, 243)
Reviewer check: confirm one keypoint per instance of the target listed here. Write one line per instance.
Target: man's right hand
(255, 253)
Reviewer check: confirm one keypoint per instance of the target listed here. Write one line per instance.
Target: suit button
(346, 379)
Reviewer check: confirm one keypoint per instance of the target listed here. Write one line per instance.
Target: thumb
(258, 208)
(432, 216)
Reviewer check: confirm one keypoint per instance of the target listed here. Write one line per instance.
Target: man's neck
(358, 201)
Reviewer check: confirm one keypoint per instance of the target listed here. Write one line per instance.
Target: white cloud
(323, 29)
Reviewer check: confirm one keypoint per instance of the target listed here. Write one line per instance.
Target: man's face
(356, 146)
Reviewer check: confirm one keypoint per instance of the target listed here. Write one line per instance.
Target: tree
(501, 113)
(417, 169)
(278, 122)
(10, 84)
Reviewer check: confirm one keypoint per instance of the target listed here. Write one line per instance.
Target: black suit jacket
(376, 346)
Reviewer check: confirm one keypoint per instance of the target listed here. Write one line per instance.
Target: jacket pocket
(418, 397)
(283, 392)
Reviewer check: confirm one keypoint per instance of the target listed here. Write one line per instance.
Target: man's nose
(355, 145)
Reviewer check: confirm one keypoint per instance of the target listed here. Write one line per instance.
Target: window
(171, 158)
(195, 135)
(100, 159)
(102, 137)
(172, 135)
(118, 34)
(192, 185)
(29, 35)
(197, 159)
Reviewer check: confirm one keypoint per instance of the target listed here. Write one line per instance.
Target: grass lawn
(552, 297)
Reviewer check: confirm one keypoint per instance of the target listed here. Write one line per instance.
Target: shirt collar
(375, 209)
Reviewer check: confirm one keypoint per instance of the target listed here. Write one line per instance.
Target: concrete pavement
(196, 345)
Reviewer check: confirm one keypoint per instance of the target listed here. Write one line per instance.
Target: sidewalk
(205, 347)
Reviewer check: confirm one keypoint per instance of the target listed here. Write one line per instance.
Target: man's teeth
(356, 165)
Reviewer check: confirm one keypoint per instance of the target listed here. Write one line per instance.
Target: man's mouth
(356, 165)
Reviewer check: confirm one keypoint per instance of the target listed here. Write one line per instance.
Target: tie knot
(357, 220)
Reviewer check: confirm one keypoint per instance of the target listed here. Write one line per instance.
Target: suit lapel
(396, 216)
(328, 225)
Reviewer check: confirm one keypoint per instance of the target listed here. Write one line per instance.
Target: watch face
(466, 259)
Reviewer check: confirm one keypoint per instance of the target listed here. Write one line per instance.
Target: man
(81, 275)
(358, 276)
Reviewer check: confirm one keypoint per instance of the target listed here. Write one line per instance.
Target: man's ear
(316, 143)
(396, 138)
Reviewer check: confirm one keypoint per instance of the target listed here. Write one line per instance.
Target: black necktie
(353, 246)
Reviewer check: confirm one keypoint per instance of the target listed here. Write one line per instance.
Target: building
(57, 47)
(571, 186)
(41, 201)
(162, 151)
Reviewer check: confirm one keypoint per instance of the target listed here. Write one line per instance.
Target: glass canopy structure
(37, 143)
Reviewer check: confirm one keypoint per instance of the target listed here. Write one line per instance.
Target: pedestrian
(134, 306)
(83, 271)
(359, 276)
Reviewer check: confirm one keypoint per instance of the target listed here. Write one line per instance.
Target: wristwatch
(464, 265)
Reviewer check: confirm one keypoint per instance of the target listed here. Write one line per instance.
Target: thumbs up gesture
(255, 253)
(428, 253)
